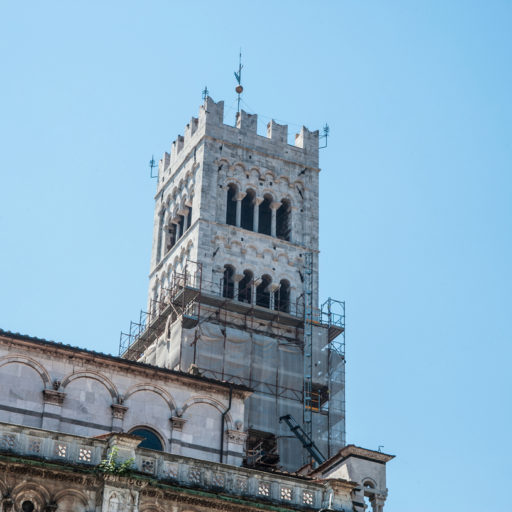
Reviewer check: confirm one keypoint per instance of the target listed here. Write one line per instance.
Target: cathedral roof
(15, 336)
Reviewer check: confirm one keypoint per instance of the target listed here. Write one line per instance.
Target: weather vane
(239, 89)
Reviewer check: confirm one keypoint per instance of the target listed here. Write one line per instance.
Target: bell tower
(233, 287)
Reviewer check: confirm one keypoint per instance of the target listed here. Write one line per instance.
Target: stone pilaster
(235, 444)
(118, 412)
(177, 429)
(52, 410)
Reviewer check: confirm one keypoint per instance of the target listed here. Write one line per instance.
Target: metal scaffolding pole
(308, 348)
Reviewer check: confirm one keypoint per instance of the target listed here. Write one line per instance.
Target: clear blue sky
(415, 194)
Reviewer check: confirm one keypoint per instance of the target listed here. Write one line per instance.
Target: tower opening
(263, 293)
(170, 237)
(248, 210)
(282, 297)
(228, 283)
(283, 224)
(180, 227)
(231, 205)
(245, 288)
(189, 217)
(265, 216)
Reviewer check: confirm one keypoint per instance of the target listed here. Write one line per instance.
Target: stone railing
(184, 471)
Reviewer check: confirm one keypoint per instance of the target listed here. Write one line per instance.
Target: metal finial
(205, 93)
(239, 89)
(152, 165)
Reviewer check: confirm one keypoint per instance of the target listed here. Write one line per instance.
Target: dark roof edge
(120, 360)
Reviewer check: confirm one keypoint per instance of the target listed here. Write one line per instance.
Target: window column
(273, 207)
(257, 202)
(239, 198)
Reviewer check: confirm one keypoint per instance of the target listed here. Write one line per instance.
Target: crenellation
(277, 132)
(247, 123)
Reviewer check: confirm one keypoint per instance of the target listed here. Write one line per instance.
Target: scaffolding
(201, 304)
(180, 300)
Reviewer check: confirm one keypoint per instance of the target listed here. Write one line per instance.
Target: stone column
(273, 207)
(52, 411)
(239, 198)
(377, 503)
(236, 282)
(255, 284)
(272, 289)
(256, 215)
(177, 429)
(118, 412)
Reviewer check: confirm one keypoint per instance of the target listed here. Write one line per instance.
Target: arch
(283, 220)
(254, 171)
(152, 438)
(265, 215)
(232, 191)
(153, 388)
(28, 491)
(77, 495)
(201, 399)
(228, 282)
(247, 217)
(369, 482)
(263, 292)
(269, 175)
(245, 287)
(284, 179)
(45, 376)
(223, 164)
(102, 379)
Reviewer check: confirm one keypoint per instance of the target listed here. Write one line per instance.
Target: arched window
(263, 293)
(228, 283)
(180, 227)
(245, 288)
(282, 297)
(265, 216)
(247, 221)
(170, 237)
(160, 235)
(283, 218)
(231, 205)
(151, 440)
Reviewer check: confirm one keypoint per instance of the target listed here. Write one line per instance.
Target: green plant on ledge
(112, 466)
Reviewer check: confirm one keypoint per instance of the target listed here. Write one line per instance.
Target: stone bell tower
(236, 214)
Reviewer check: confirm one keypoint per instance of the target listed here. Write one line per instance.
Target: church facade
(229, 390)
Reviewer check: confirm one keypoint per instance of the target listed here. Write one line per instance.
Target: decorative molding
(118, 411)
(236, 437)
(50, 396)
(177, 423)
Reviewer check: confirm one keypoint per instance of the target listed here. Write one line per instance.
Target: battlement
(210, 122)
